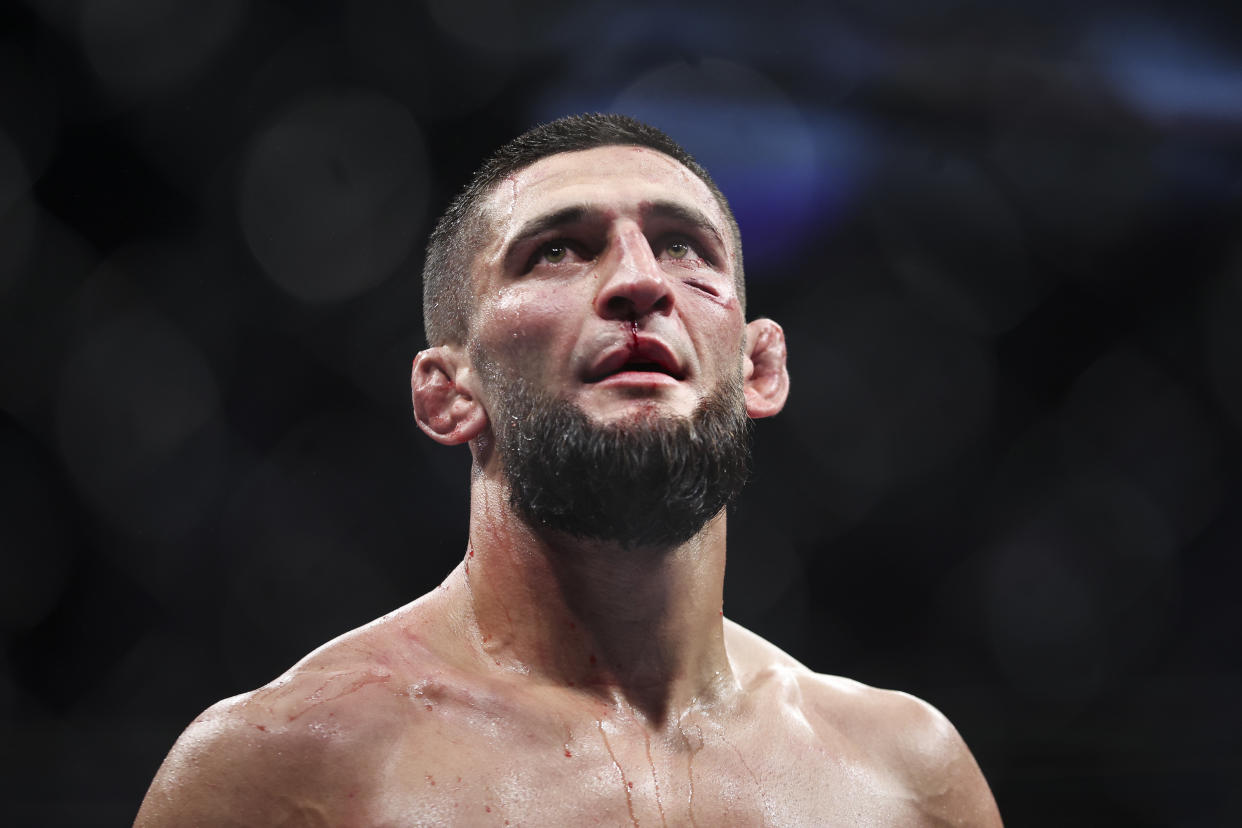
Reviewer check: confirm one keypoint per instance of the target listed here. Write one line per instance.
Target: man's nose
(635, 285)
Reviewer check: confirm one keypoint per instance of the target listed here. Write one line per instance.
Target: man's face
(607, 282)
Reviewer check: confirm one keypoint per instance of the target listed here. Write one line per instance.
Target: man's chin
(641, 474)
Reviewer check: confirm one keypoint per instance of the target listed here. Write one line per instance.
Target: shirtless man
(585, 311)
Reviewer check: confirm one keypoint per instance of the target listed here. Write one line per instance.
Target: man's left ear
(765, 379)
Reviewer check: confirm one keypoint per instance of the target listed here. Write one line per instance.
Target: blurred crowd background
(1004, 240)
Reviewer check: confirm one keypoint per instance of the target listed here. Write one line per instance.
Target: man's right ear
(445, 406)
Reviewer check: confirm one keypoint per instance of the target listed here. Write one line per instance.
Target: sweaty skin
(555, 681)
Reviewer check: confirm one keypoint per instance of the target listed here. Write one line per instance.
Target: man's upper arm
(229, 767)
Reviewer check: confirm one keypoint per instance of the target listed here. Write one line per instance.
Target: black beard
(648, 482)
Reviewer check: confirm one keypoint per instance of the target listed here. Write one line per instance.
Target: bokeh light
(1081, 180)
(332, 191)
(140, 47)
(1081, 589)
(308, 584)
(954, 241)
(1169, 73)
(884, 394)
(1125, 414)
(399, 43)
(133, 397)
(503, 27)
(1044, 622)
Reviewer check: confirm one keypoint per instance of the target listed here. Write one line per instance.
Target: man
(584, 305)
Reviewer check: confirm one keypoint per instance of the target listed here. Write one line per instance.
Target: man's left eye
(679, 250)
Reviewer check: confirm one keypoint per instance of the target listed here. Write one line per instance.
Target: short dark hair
(446, 271)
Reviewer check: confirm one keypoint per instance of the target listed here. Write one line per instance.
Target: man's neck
(641, 628)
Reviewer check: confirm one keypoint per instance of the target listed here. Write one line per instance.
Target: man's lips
(644, 356)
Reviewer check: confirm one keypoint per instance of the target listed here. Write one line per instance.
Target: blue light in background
(1166, 73)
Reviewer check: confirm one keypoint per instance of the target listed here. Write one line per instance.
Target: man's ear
(765, 379)
(445, 405)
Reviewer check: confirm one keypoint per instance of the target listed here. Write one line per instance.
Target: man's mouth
(646, 356)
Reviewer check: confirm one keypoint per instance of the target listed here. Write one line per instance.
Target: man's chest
(599, 772)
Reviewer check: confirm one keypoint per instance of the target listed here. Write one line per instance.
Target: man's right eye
(562, 251)
(554, 253)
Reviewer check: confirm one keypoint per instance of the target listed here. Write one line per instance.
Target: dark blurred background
(1003, 239)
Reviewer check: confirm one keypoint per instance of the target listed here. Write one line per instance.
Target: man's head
(599, 318)
(451, 250)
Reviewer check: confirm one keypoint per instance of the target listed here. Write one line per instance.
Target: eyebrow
(574, 214)
(579, 213)
(541, 224)
(685, 215)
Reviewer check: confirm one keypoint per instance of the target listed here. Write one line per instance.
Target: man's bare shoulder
(908, 738)
(304, 747)
(914, 740)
